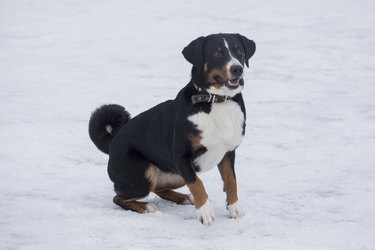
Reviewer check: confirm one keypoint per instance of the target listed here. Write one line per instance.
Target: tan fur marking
(195, 141)
(198, 192)
(161, 180)
(174, 196)
(222, 72)
(205, 68)
(230, 184)
(152, 176)
(136, 206)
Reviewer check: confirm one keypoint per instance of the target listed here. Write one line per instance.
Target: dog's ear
(193, 53)
(248, 45)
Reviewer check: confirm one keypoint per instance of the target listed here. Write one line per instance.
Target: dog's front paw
(234, 211)
(206, 213)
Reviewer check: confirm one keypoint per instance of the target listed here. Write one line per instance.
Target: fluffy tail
(104, 123)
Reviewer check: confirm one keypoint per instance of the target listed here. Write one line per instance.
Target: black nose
(236, 70)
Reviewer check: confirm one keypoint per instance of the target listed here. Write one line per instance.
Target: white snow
(306, 167)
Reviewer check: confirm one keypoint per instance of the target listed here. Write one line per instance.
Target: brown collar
(207, 97)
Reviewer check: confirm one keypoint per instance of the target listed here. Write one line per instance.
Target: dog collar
(207, 97)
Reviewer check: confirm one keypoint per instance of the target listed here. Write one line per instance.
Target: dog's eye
(217, 53)
(239, 52)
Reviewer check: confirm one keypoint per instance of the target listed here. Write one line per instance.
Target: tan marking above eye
(237, 49)
(217, 52)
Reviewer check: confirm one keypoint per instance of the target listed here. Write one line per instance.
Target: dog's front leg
(202, 204)
(226, 169)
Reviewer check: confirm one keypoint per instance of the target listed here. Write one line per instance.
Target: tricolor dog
(165, 147)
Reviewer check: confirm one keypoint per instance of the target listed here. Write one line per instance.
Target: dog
(166, 146)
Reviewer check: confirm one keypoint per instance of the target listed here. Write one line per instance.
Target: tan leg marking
(160, 180)
(152, 176)
(198, 192)
(195, 141)
(230, 184)
(132, 204)
(168, 194)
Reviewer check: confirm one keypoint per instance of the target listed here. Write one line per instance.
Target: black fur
(113, 115)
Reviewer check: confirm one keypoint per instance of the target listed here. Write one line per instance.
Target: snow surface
(306, 168)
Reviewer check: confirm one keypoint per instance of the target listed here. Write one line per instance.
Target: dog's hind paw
(189, 200)
(206, 214)
(150, 208)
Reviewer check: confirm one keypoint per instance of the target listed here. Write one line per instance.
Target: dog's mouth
(231, 83)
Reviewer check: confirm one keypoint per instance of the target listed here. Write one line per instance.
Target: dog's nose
(236, 70)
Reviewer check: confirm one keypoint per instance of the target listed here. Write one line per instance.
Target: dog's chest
(221, 131)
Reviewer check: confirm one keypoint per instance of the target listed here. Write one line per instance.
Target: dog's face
(218, 60)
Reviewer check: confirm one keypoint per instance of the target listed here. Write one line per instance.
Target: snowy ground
(306, 170)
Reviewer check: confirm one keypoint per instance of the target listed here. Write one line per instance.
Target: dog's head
(218, 61)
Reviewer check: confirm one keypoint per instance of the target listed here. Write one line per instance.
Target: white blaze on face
(232, 61)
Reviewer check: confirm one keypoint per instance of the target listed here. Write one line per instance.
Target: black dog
(164, 147)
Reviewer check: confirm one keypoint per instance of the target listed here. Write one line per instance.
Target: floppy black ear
(248, 45)
(193, 53)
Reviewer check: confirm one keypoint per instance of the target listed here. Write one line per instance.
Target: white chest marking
(221, 131)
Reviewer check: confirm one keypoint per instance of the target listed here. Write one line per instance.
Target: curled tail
(104, 123)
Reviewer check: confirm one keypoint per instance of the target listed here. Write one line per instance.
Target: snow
(306, 168)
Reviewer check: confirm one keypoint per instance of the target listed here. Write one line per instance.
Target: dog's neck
(204, 96)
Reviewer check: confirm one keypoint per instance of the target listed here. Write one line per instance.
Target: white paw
(206, 213)
(234, 211)
(150, 208)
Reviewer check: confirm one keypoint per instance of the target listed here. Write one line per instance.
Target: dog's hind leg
(128, 172)
(134, 205)
(162, 184)
(181, 199)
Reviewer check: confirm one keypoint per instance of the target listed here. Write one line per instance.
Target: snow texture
(306, 167)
